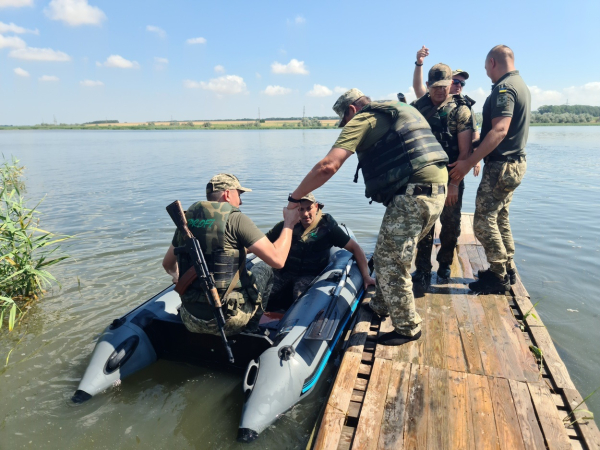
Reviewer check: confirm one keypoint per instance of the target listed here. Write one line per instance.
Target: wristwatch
(292, 199)
(418, 64)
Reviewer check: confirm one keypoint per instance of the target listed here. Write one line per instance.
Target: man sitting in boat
(224, 234)
(312, 239)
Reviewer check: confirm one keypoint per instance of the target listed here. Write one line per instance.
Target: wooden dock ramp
(471, 382)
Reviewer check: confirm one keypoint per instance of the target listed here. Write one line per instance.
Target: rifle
(194, 251)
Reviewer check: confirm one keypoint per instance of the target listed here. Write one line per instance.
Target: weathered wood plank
(415, 426)
(391, 435)
(474, 258)
(437, 425)
(435, 344)
(552, 360)
(484, 434)
(360, 384)
(525, 306)
(455, 356)
(466, 231)
(518, 289)
(467, 334)
(551, 424)
(487, 346)
(337, 405)
(458, 418)
(530, 428)
(588, 428)
(484, 262)
(360, 332)
(507, 422)
(369, 422)
(387, 351)
(465, 264)
(346, 438)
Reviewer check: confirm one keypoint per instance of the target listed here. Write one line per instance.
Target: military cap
(224, 181)
(345, 100)
(462, 73)
(311, 198)
(439, 75)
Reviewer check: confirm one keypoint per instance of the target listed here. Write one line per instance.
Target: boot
(490, 283)
(444, 270)
(395, 338)
(421, 281)
(512, 276)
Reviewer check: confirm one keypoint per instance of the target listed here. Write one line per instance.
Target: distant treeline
(100, 122)
(550, 117)
(571, 109)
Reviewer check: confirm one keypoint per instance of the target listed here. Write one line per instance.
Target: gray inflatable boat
(283, 362)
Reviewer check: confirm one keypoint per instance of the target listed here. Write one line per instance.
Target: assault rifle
(194, 251)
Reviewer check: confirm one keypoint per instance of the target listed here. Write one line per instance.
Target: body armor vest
(439, 122)
(311, 256)
(407, 147)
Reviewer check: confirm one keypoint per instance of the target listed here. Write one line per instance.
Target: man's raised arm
(418, 85)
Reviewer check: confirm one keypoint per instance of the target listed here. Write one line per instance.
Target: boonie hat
(439, 75)
(224, 181)
(345, 100)
(463, 73)
(311, 198)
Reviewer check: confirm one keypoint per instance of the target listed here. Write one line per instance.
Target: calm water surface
(110, 188)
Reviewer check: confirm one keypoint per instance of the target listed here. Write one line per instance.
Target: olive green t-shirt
(365, 129)
(510, 97)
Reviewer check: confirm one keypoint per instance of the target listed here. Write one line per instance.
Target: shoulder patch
(502, 100)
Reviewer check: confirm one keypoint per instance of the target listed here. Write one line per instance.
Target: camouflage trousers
(406, 221)
(241, 310)
(282, 280)
(490, 223)
(450, 219)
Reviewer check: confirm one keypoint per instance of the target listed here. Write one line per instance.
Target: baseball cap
(311, 198)
(345, 100)
(464, 73)
(224, 181)
(439, 75)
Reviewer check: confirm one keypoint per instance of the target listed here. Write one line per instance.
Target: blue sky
(136, 61)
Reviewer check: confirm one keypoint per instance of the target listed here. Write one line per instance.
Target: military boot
(512, 276)
(421, 281)
(444, 270)
(490, 283)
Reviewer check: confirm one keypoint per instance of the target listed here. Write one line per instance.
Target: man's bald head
(499, 60)
(502, 54)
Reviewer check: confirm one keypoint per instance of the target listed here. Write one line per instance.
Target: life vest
(311, 255)
(407, 147)
(439, 122)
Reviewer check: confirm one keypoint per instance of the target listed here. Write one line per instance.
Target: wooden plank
(415, 429)
(455, 356)
(507, 422)
(474, 258)
(467, 334)
(551, 424)
(438, 424)
(588, 428)
(518, 289)
(552, 360)
(387, 351)
(458, 419)
(365, 370)
(530, 428)
(391, 435)
(346, 438)
(465, 264)
(361, 329)
(360, 384)
(369, 422)
(483, 434)
(435, 345)
(357, 396)
(337, 405)
(416, 349)
(487, 347)
(466, 231)
(525, 306)
(484, 262)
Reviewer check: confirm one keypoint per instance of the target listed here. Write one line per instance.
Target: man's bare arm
(170, 264)
(418, 85)
(275, 253)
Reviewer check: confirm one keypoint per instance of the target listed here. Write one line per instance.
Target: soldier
(312, 239)
(224, 234)
(452, 125)
(506, 114)
(404, 167)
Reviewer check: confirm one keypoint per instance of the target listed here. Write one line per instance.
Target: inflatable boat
(283, 361)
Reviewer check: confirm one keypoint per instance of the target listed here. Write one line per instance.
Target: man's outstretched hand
(422, 54)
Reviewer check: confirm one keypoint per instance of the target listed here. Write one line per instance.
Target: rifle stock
(178, 216)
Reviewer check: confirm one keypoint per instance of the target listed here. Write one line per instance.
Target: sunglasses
(457, 82)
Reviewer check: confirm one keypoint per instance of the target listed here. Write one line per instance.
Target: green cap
(345, 100)
(439, 75)
(463, 73)
(224, 181)
(311, 198)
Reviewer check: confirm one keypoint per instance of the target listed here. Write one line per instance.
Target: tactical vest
(311, 256)
(406, 148)
(439, 122)
(207, 222)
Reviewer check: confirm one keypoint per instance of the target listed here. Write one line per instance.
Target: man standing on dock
(404, 167)
(504, 132)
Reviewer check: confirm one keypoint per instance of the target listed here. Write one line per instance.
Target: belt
(504, 158)
(422, 190)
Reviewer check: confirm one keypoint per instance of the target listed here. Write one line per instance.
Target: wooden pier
(471, 382)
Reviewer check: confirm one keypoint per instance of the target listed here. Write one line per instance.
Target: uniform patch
(502, 100)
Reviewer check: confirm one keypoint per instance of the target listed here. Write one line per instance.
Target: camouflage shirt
(460, 117)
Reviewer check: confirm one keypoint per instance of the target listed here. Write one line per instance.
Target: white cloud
(198, 40)
(227, 84)
(11, 42)
(74, 12)
(12, 28)
(160, 63)
(299, 20)
(339, 90)
(159, 31)
(293, 67)
(588, 94)
(21, 72)
(48, 78)
(91, 83)
(15, 3)
(319, 91)
(219, 69)
(119, 62)
(276, 90)
(39, 54)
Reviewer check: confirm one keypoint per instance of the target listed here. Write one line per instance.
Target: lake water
(110, 189)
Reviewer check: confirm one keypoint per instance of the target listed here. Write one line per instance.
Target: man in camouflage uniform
(504, 132)
(404, 167)
(224, 233)
(452, 125)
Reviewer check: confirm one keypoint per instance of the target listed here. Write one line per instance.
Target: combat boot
(512, 276)
(490, 283)
(421, 281)
(444, 270)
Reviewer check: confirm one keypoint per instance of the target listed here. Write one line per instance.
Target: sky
(138, 61)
